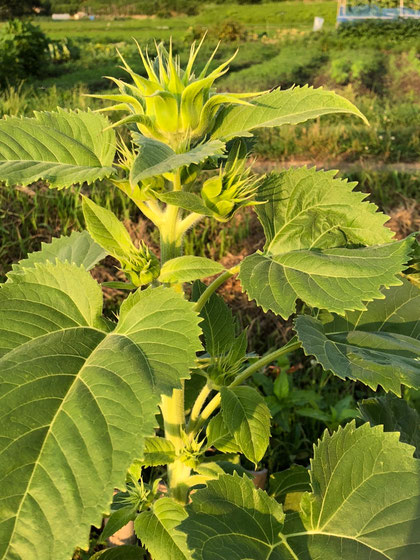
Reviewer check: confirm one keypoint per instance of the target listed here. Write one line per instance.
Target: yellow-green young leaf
(156, 158)
(247, 418)
(62, 148)
(307, 209)
(157, 531)
(351, 512)
(107, 230)
(77, 400)
(337, 279)
(380, 346)
(290, 106)
(189, 268)
(78, 248)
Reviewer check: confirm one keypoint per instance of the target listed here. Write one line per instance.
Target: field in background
(378, 69)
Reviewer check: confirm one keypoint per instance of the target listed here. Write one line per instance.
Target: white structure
(61, 17)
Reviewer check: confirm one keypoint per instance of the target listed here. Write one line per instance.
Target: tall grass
(24, 99)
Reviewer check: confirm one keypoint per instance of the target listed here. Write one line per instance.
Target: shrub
(230, 31)
(363, 68)
(293, 65)
(23, 51)
(395, 30)
(63, 50)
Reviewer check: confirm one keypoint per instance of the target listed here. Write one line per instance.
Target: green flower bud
(234, 187)
(142, 267)
(172, 104)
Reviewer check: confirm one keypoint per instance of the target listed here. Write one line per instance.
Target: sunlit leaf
(78, 248)
(157, 530)
(78, 400)
(188, 268)
(62, 148)
(351, 512)
(156, 158)
(380, 346)
(279, 107)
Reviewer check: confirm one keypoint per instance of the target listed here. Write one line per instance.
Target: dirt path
(263, 166)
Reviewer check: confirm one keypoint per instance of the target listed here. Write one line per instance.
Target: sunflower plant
(157, 403)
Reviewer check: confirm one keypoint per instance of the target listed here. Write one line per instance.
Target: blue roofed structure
(359, 10)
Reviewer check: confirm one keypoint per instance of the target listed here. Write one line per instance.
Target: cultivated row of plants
(90, 404)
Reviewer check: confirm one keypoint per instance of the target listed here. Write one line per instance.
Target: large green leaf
(247, 417)
(350, 514)
(337, 279)
(314, 226)
(78, 248)
(62, 148)
(308, 209)
(77, 400)
(395, 415)
(157, 530)
(156, 158)
(189, 268)
(290, 106)
(379, 346)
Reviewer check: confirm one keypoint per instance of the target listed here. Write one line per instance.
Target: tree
(18, 8)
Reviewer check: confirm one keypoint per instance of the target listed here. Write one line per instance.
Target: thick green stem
(198, 405)
(264, 361)
(216, 400)
(211, 288)
(188, 222)
(173, 413)
(173, 410)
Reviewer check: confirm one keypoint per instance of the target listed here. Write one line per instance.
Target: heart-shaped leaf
(77, 400)
(380, 346)
(351, 512)
(338, 279)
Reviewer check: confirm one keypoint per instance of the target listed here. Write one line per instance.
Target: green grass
(266, 17)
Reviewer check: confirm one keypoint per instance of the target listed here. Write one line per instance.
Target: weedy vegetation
(162, 401)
